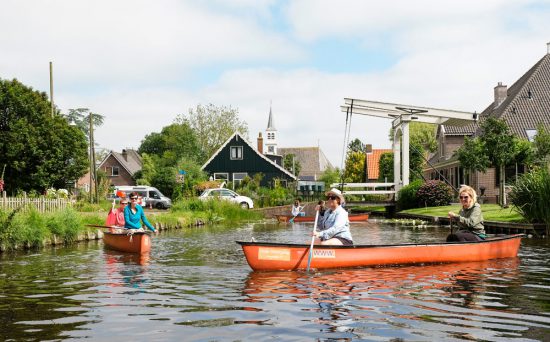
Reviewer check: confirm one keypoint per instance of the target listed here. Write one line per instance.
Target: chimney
(260, 143)
(125, 155)
(501, 92)
(548, 48)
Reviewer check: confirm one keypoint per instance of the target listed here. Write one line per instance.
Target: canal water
(196, 286)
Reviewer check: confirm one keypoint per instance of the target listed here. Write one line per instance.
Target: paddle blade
(111, 218)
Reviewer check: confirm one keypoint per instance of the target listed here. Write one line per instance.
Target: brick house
(120, 169)
(523, 106)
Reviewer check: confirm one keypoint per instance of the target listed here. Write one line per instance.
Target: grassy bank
(491, 212)
(30, 229)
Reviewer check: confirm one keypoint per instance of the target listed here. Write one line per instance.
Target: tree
(423, 135)
(356, 145)
(291, 164)
(472, 156)
(40, 151)
(173, 143)
(213, 125)
(355, 167)
(330, 176)
(385, 167)
(496, 146)
(81, 118)
(542, 145)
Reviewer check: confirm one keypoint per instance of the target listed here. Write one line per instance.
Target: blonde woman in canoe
(469, 220)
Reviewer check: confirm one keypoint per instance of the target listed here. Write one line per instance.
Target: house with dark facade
(523, 106)
(237, 159)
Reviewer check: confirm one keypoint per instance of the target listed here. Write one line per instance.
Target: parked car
(226, 194)
(151, 197)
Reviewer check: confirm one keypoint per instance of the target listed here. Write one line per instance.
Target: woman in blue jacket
(133, 215)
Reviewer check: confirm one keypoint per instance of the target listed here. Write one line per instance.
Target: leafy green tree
(356, 145)
(165, 180)
(173, 143)
(291, 164)
(385, 167)
(423, 135)
(193, 175)
(81, 118)
(40, 151)
(542, 145)
(148, 170)
(213, 125)
(355, 167)
(330, 176)
(472, 156)
(496, 146)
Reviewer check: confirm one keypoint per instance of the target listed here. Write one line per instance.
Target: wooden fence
(41, 204)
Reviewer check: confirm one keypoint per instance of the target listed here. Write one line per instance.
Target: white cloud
(141, 63)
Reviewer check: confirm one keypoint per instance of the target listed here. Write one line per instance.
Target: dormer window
(236, 153)
(531, 133)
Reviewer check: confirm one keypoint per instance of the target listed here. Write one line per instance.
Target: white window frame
(113, 171)
(238, 154)
(221, 176)
(237, 181)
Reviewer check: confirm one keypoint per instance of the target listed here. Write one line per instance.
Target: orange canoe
(139, 242)
(265, 256)
(352, 218)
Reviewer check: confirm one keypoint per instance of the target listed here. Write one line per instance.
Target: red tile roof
(373, 160)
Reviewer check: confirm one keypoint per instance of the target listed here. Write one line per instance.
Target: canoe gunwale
(296, 245)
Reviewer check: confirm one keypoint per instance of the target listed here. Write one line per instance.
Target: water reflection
(403, 302)
(196, 285)
(120, 275)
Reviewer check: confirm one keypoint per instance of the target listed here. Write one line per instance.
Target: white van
(151, 197)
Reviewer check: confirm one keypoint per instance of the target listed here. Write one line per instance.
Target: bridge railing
(366, 188)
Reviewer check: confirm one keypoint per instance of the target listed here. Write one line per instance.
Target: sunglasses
(123, 202)
(133, 198)
(464, 197)
(332, 197)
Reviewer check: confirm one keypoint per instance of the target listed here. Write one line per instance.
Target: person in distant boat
(297, 209)
(469, 220)
(333, 227)
(116, 216)
(134, 215)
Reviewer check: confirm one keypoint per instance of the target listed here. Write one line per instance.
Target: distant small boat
(352, 218)
(266, 256)
(138, 242)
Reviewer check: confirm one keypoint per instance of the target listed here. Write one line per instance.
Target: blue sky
(141, 63)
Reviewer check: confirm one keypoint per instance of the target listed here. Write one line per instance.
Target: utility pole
(93, 175)
(51, 88)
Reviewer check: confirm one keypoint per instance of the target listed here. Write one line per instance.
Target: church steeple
(271, 135)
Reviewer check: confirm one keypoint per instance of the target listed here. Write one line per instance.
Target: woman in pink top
(115, 218)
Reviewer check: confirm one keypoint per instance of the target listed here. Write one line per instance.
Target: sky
(142, 63)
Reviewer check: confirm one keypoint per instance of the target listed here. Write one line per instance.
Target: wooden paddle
(312, 240)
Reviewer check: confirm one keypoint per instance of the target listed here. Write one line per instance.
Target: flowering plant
(434, 193)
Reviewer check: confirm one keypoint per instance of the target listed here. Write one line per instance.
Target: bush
(531, 195)
(434, 193)
(407, 196)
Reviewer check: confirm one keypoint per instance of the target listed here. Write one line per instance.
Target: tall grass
(30, 228)
(214, 210)
(531, 195)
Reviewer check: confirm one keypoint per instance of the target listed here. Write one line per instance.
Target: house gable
(237, 157)
(312, 160)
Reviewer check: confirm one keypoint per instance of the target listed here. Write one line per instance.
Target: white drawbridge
(401, 115)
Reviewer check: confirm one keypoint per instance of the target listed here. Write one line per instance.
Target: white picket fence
(42, 204)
